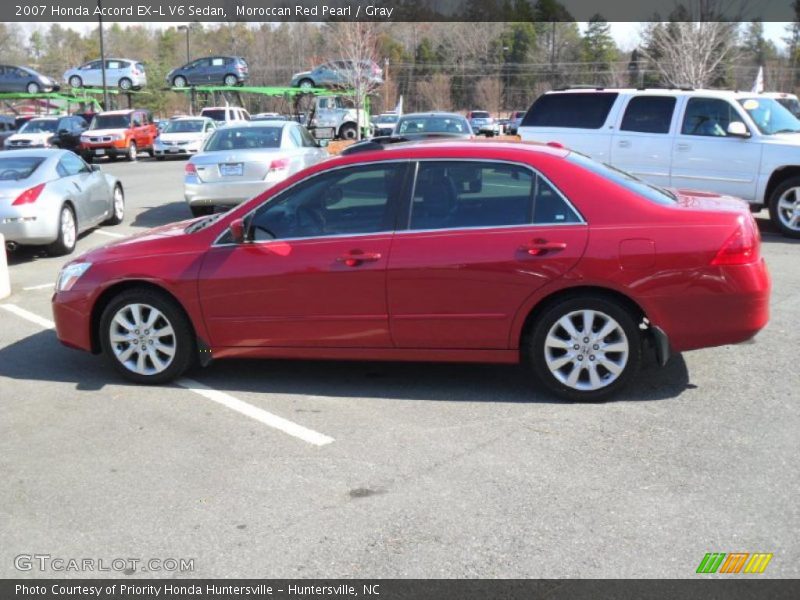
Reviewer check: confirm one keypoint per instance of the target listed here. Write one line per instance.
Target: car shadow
(770, 234)
(163, 214)
(442, 382)
(26, 254)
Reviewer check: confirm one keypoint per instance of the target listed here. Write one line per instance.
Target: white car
(183, 136)
(242, 160)
(734, 143)
(125, 73)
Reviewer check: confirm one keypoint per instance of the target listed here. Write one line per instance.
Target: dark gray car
(210, 70)
(23, 79)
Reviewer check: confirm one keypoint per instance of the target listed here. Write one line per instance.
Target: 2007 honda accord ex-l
(434, 251)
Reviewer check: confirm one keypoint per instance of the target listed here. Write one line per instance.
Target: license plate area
(99, 151)
(231, 169)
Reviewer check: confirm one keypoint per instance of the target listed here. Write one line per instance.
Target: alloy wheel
(142, 339)
(788, 209)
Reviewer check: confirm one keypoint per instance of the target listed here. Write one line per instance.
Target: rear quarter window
(578, 111)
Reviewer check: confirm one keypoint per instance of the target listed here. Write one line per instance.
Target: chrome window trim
(295, 184)
(535, 172)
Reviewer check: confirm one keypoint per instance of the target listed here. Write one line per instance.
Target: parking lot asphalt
(335, 469)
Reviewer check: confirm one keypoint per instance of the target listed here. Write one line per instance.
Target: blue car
(210, 70)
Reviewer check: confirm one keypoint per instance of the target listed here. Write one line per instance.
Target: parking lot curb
(5, 279)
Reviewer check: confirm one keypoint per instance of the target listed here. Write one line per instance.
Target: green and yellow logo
(734, 562)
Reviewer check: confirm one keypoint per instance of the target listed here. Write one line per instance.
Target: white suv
(735, 143)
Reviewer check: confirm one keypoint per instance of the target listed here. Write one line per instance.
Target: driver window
(349, 201)
(72, 165)
(708, 117)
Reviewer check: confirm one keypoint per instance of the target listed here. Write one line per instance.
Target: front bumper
(100, 149)
(71, 313)
(187, 149)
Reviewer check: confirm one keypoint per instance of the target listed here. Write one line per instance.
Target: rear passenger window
(457, 195)
(649, 114)
(581, 111)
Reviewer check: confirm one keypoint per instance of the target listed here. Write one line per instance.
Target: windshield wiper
(786, 131)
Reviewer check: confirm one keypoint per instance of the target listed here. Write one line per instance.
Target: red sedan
(443, 251)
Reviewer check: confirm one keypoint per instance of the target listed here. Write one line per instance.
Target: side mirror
(323, 143)
(236, 228)
(95, 168)
(63, 131)
(738, 129)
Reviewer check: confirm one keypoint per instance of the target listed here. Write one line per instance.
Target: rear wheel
(230, 80)
(585, 348)
(146, 336)
(784, 207)
(125, 84)
(67, 233)
(201, 211)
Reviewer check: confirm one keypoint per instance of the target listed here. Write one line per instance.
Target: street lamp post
(186, 29)
(102, 55)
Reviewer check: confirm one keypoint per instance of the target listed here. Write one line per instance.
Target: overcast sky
(625, 34)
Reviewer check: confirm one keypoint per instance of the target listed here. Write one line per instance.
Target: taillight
(741, 247)
(279, 164)
(190, 169)
(29, 196)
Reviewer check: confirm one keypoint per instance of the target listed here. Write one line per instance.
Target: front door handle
(77, 186)
(624, 143)
(683, 147)
(356, 257)
(540, 247)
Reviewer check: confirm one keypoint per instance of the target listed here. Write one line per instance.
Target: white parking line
(39, 287)
(259, 414)
(110, 233)
(21, 312)
(267, 418)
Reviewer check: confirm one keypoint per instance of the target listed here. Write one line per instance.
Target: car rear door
(705, 157)
(643, 139)
(314, 272)
(482, 237)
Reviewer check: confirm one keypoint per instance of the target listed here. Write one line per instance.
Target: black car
(22, 79)
(48, 132)
(211, 70)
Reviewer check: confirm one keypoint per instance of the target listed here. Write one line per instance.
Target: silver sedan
(242, 160)
(48, 197)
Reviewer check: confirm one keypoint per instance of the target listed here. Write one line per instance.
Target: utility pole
(386, 84)
(102, 55)
(192, 97)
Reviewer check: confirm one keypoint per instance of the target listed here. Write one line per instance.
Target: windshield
(769, 116)
(18, 167)
(244, 138)
(218, 114)
(624, 179)
(387, 119)
(40, 126)
(193, 126)
(480, 114)
(412, 125)
(110, 122)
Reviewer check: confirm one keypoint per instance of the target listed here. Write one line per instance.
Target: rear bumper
(25, 227)
(726, 305)
(222, 193)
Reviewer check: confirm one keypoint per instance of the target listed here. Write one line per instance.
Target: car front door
(642, 144)
(84, 186)
(482, 237)
(313, 273)
(705, 157)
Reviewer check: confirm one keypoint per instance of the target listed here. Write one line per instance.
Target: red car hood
(165, 239)
(709, 201)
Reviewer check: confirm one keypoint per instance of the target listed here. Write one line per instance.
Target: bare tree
(357, 43)
(489, 94)
(690, 53)
(434, 92)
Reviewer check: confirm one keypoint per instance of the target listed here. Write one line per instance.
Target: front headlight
(70, 274)
(117, 136)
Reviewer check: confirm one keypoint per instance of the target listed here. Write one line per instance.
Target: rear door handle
(355, 258)
(624, 143)
(540, 247)
(683, 147)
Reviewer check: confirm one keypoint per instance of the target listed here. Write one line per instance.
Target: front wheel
(33, 88)
(784, 207)
(305, 84)
(132, 151)
(117, 207)
(179, 81)
(348, 131)
(585, 349)
(75, 81)
(146, 336)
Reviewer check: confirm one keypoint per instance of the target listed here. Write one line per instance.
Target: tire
(67, 233)
(33, 88)
(117, 207)
(784, 207)
(305, 84)
(169, 339)
(586, 373)
(179, 81)
(132, 152)
(160, 157)
(348, 131)
(230, 80)
(201, 211)
(75, 81)
(125, 84)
